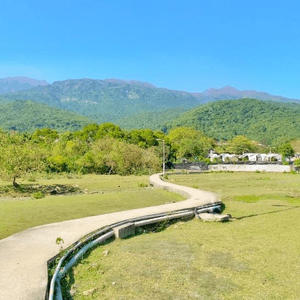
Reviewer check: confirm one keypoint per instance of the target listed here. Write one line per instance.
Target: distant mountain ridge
(15, 84)
(128, 103)
(12, 84)
(106, 100)
(230, 93)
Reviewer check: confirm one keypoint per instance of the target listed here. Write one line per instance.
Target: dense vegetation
(101, 149)
(262, 121)
(107, 149)
(267, 122)
(27, 116)
(154, 120)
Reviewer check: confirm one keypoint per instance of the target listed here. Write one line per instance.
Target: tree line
(107, 149)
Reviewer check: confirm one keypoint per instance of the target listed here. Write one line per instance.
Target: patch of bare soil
(27, 190)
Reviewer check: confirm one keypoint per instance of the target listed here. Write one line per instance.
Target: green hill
(152, 120)
(29, 116)
(258, 120)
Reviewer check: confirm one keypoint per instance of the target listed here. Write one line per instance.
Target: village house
(261, 157)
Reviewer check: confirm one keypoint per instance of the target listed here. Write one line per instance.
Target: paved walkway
(23, 256)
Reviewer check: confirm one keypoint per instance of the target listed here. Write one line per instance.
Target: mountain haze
(12, 84)
(230, 93)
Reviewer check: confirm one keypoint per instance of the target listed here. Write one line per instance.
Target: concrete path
(23, 256)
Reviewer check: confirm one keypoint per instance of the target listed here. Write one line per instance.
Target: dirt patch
(27, 190)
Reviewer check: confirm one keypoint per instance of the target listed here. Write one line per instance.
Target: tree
(109, 129)
(240, 144)
(18, 156)
(189, 143)
(286, 150)
(88, 132)
(64, 155)
(45, 135)
(144, 138)
(112, 156)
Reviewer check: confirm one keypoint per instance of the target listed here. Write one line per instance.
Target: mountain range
(86, 85)
(135, 104)
(106, 100)
(229, 92)
(120, 101)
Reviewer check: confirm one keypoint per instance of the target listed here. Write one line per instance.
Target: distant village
(252, 157)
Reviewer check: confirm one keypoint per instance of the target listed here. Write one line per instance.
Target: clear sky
(183, 45)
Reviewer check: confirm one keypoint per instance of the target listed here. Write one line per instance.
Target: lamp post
(164, 165)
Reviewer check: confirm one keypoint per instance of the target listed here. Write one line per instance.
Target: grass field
(104, 194)
(256, 256)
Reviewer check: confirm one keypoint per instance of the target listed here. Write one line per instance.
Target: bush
(38, 195)
(297, 162)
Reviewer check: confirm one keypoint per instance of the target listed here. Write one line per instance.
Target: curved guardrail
(76, 251)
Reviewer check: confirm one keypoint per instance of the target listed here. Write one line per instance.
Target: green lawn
(112, 193)
(256, 256)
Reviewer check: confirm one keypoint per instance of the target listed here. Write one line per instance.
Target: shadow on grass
(160, 226)
(267, 213)
(28, 189)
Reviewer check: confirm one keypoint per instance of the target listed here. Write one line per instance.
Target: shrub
(31, 178)
(38, 195)
(297, 162)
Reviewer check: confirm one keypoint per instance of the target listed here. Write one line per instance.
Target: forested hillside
(134, 104)
(153, 120)
(258, 120)
(29, 115)
(106, 100)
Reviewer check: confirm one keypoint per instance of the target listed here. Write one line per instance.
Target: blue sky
(182, 45)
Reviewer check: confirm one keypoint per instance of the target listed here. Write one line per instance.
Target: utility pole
(164, 154)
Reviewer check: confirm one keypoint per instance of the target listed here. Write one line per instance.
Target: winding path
(24, 255)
